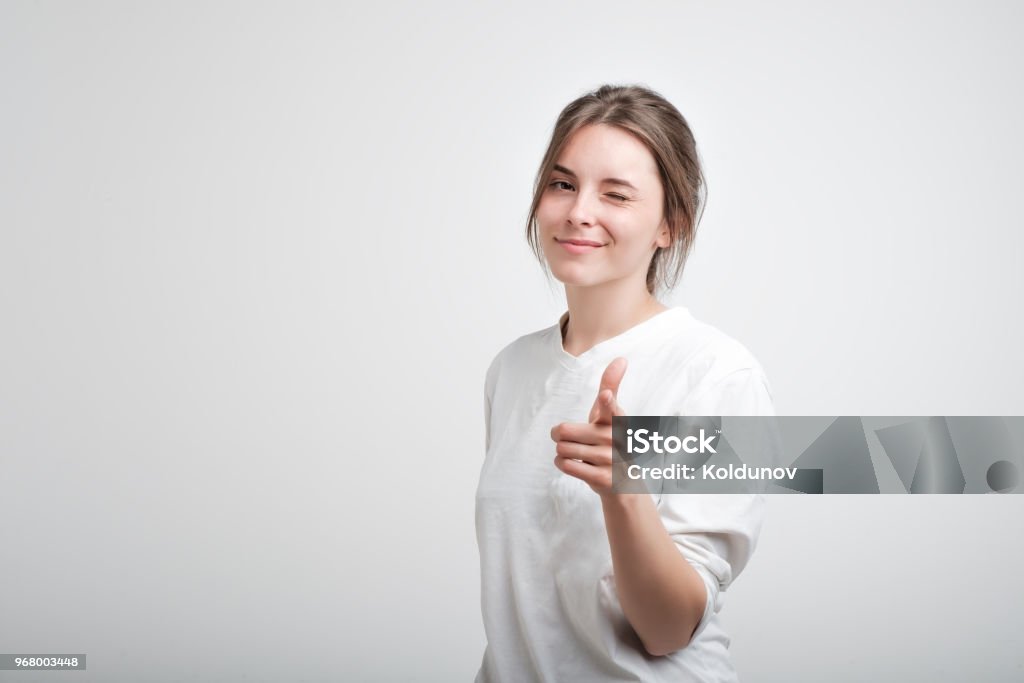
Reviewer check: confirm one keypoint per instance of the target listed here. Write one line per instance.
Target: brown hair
(660, 126)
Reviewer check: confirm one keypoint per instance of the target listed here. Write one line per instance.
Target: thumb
(607, 394)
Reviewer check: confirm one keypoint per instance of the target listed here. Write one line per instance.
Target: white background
(255, 259)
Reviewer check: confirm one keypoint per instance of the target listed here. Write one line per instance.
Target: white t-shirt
(548, 597)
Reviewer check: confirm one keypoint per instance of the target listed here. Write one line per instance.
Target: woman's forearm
(662, 596)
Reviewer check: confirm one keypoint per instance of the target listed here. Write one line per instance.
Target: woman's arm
(662, 596)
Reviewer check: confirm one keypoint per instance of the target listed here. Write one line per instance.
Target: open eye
(556, 184)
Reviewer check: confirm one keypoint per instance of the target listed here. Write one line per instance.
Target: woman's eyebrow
(613, 181)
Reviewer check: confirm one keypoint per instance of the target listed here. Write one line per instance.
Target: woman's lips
(578, 247)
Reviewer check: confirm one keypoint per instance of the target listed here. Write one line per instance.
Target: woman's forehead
(604, 151)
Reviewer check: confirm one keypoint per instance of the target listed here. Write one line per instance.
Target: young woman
(580, 583)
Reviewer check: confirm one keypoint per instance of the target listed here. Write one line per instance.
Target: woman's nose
(582, 210)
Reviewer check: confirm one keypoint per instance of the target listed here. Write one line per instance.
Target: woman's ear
(664, 239)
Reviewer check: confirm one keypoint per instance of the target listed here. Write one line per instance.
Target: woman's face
(600, 217)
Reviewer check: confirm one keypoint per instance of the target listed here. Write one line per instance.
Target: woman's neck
(596, 315)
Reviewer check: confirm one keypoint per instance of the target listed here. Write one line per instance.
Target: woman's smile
(575, 246)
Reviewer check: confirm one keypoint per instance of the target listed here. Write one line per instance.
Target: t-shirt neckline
(641, 329)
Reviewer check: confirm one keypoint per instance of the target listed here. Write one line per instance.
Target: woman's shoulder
(526, 344)
(522, 352)
(699, 345)
(717, 373)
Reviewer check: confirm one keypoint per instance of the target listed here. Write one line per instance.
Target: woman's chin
(572, 276)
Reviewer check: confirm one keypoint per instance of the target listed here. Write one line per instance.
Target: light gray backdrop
(255, 259)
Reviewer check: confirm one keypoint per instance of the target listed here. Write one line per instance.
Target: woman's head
(621, 173)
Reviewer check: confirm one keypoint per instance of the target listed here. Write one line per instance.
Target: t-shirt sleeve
(490, 378)
(487, 421)
(717, 533)
(742, 392)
